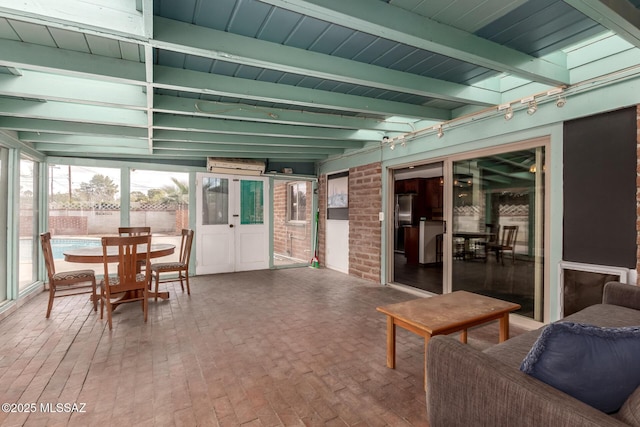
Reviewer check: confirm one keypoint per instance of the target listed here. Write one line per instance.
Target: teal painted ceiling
(280, 80)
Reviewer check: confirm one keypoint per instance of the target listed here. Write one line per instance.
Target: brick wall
(25, 225)
(279, 217)
(74, 225)
(289, 238)
(182, 218)
(365, 228)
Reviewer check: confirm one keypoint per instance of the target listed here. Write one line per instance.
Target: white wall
(337, 245)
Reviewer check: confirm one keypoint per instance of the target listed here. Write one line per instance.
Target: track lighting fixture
(508, 115)
(529, 102)
(561, 100)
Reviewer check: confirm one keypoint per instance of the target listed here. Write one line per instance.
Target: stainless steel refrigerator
(405, 216)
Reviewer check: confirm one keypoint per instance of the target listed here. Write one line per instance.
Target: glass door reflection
(497, 227)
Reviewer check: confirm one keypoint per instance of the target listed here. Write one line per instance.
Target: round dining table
(93, 255)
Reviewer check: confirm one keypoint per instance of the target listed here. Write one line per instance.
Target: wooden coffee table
(444, 314)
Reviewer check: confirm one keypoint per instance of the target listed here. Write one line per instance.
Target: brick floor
(264, 348)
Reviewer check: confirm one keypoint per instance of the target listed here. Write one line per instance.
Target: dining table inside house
(94, 255)
(467, 237)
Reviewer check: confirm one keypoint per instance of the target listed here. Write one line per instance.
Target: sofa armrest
(621, 294)
(466, 387)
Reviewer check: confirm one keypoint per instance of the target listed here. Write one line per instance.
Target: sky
(141, 180)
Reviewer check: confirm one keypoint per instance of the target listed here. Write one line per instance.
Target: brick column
(365, 228)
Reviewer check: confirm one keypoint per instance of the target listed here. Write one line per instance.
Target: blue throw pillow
(599, 366)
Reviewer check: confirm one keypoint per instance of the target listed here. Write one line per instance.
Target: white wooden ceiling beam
(239, 148)
(241, 111)
(248, 155)
(40, 125)
(54, 87)
(66, 111)
(199, 82)
(221, 138)
(107, 18)
(170, 122)
(44, 58)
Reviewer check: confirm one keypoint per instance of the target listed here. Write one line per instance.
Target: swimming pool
(59, 245)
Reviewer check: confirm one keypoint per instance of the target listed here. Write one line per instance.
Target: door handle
(230, 225)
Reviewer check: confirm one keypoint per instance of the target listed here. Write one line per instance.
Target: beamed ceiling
(279, 80)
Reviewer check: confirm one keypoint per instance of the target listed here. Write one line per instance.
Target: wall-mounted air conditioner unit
(235, 166)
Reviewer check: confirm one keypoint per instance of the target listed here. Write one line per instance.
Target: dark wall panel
(600, 189)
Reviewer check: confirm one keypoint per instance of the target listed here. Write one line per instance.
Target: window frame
(290, 209)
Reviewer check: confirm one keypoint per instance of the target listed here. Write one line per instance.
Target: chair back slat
(45, 242)
(185, 245)
(509, 235)
(130, 250)
(134, 231)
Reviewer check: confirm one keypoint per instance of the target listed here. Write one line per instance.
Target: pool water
(58, 246)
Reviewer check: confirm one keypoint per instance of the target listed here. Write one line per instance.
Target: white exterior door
(232, 225)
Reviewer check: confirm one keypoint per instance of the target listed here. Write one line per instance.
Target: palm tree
(178, 193)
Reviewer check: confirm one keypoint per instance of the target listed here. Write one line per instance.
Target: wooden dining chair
(483, 246)
(181, 266)
(507, 242)
(126, 283)
(135, 231)
(66, 283)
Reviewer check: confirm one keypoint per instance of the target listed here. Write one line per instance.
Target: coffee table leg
(504, 327)
(463, 336)
(391, 343)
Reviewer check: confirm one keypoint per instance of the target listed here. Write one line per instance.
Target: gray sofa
(468, 387)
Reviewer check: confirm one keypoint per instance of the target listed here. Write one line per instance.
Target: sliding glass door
(28, 223)
(497, 238)
(4, 186)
